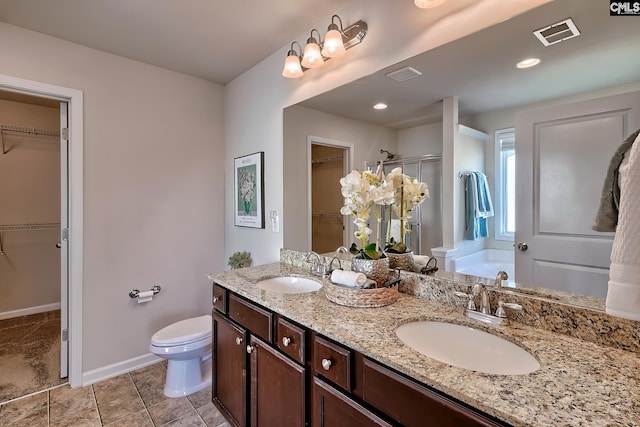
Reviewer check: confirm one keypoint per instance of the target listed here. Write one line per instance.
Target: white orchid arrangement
(409, 193)
(367, 192)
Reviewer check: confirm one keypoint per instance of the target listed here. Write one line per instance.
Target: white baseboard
(29, 310)
(119, 368)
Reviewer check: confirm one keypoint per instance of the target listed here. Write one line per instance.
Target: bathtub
(486, 263)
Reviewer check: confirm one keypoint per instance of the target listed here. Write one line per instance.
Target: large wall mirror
(479, 71)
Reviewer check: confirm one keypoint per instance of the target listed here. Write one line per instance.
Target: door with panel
(562, 155)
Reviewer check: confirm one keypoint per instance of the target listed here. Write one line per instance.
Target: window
(505, 184)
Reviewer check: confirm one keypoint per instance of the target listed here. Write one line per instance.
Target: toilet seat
(183, 332)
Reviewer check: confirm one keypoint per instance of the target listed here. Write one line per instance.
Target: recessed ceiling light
(529, 62)
(380, 106)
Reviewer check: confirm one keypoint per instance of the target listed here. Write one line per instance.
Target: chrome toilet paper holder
(134, 293)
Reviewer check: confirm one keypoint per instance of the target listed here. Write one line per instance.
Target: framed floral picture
(248, 192)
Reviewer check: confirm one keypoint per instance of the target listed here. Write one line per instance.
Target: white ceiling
(480, 69)
(216, 40)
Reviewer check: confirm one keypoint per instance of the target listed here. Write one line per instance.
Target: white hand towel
(348, 278)
(421, 259)
(623, 295)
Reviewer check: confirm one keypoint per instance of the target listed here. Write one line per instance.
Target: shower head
(390, 156)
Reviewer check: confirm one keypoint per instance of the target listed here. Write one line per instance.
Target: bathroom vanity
(299, 359)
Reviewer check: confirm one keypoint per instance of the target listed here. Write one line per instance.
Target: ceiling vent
(404, 74)
(555, 33)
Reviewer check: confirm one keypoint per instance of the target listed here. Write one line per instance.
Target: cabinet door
(334, 409)
(229, 389)
(277, 387)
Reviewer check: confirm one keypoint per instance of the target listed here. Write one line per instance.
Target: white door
(64, 226)
(562, 155)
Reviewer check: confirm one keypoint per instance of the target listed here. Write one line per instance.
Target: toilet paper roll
(145, 296)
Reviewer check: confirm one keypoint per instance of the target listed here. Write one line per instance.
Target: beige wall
(301, 122)
(153, 188)
(420, 140)
(29, 193)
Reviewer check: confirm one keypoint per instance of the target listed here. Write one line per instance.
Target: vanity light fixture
(380, 106)
(312, 58)
(317, 51)
(528, 63)
(428, 4)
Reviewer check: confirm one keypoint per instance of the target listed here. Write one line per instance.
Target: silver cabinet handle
(522, 246)
(250, 348)
(216, 299)
(238, 340)
(286, 341)
(326, 364)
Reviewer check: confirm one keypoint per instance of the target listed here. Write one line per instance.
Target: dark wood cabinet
(278, 394)
(229, 382)
(270, 371)
(413, 404)
(332, 408)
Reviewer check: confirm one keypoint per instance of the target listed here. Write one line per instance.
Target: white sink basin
(467, 348)
(289, 285)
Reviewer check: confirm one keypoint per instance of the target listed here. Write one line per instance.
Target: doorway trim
(74, 98)
(347, 166)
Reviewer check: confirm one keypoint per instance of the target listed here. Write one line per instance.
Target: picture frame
(248, 194)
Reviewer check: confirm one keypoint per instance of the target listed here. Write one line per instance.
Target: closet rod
(26, 130)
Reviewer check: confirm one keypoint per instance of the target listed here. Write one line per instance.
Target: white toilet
(187, 346)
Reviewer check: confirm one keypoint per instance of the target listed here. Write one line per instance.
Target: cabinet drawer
(291, 339)
(412, 404)
(256, 319)
(332, 361)
(219, 298)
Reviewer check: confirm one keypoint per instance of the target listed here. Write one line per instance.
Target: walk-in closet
(30, 258)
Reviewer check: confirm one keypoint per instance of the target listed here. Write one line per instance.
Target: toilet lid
(183, 332)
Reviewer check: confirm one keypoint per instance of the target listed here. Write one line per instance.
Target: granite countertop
(579, 383)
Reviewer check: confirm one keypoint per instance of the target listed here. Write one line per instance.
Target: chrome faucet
(480, 289)
(502, 275)
(483, 313)
(317, 267)
(342, 250)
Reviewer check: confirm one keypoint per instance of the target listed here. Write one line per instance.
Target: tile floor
(129, 400)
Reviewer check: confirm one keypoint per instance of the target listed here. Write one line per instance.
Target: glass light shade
(333, 45)
(311, 58)
(428, 4)
(292, 68)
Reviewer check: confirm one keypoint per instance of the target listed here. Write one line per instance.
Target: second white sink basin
(289, 285)
(467, 348)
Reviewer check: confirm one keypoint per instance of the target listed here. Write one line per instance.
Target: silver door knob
(522, 246)
(238, 340)
(58, 245)
(326, 364)
(250, 348)
(286, 341)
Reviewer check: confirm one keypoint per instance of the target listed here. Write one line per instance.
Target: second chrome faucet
(483, 312)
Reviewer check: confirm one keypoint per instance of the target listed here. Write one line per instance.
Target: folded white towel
(623, 295)
(348, 278)
(421, 259)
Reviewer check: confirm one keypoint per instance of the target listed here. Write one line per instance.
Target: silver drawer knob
(216, 299)
(326, 364)
(250, 348)
(238, 340)
(286, 341)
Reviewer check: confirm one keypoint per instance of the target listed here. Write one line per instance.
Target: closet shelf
(25, 130)
(326, 160)
(29, 227)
